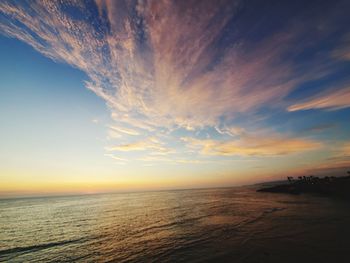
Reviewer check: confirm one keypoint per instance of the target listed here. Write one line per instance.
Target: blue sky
(104, 95)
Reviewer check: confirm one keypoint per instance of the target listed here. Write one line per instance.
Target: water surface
(208, 225)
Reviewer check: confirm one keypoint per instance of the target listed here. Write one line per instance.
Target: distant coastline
(327, 186)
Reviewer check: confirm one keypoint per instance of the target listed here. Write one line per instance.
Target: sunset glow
(102, 96)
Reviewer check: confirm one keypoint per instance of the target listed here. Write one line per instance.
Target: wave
(28, 249)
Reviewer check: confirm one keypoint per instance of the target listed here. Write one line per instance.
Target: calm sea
(211, 225)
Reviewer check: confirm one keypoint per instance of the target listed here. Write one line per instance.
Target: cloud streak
(124, 130)
(252, 146)
(165, 65)
(151, 144)
(336, 100)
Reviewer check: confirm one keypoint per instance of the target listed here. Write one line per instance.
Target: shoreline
(327, 186)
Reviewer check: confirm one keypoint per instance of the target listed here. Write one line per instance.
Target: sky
(102, 96)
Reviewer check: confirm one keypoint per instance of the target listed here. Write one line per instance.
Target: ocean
(203, 225)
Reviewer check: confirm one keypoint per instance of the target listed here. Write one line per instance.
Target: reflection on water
(232, 224)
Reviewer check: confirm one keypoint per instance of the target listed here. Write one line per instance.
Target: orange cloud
(253, 146)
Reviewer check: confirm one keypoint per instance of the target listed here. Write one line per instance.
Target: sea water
(203, 225)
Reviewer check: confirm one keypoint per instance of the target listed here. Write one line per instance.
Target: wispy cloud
(124, 130)
(319, 128)
(157, 77)
(253, 146)
(342, 52)
(150, 143)
(163, 65)
(118, 160)
(330, 100)
(337, 163)
(115, 157)
(345, 149)
(135, 146)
